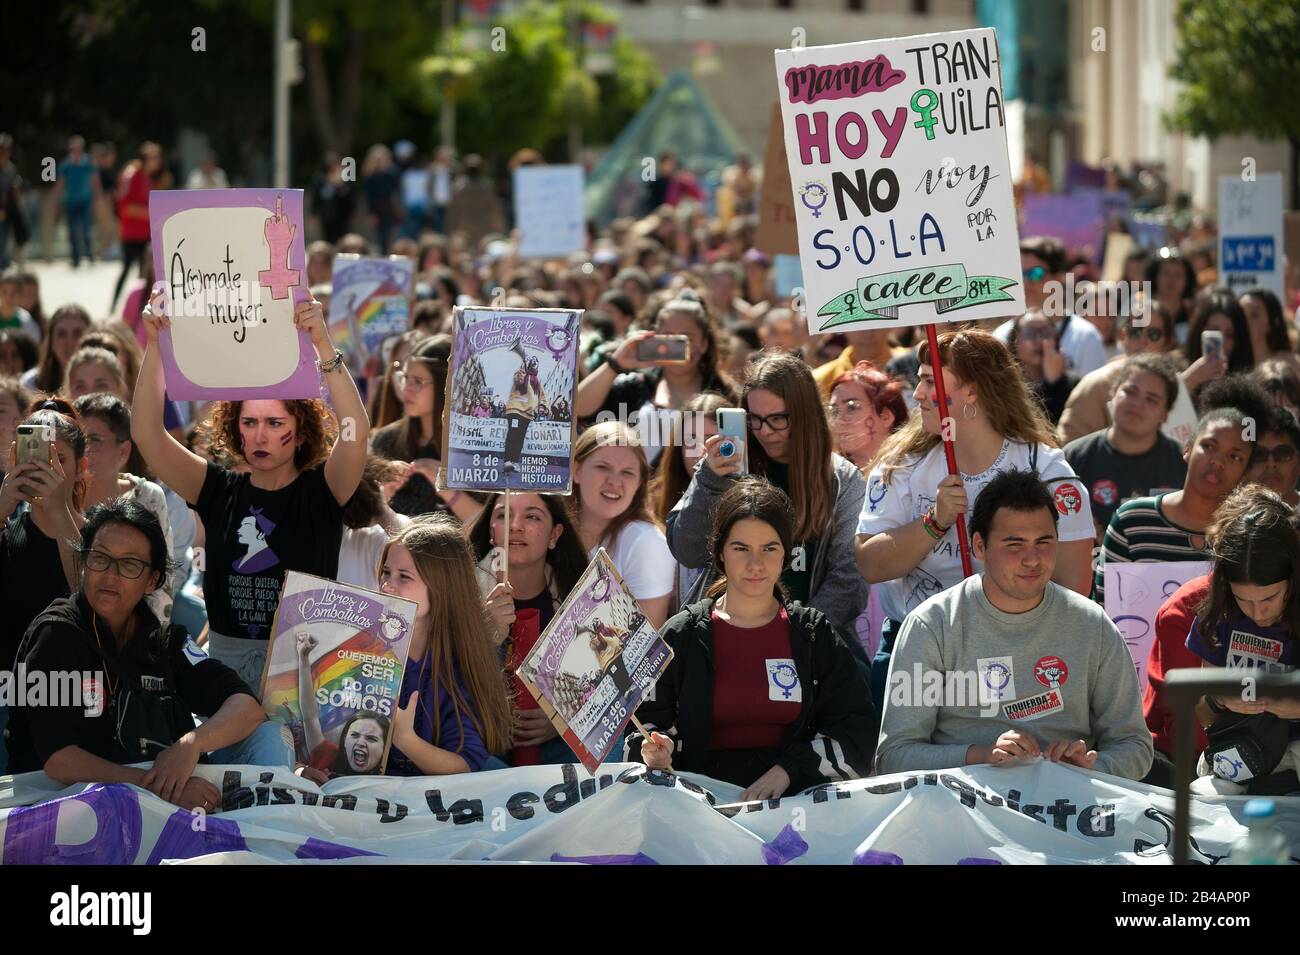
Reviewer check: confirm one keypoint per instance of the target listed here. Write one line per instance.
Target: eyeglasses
(402, 379)
(777, 422)
(850, 411)
(128, 567)
(1036, 274)
(1282, 454)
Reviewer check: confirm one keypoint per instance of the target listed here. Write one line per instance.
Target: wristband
(334, 364)
(931, 526)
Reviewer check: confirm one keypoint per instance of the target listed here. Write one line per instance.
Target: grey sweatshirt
(1062, 670)
(837, 588)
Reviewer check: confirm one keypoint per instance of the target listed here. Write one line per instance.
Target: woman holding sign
(761, 692)
(906, 540)
(284, 512)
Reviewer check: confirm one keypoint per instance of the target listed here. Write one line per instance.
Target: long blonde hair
(976, 358)
(460, 653)
(602, 435)
(809, 462)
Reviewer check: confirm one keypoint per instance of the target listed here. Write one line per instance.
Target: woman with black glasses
(790, 445)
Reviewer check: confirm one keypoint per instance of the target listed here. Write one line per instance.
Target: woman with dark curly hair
(281, 510)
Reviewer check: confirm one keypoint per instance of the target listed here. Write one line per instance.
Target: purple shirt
(455, 735)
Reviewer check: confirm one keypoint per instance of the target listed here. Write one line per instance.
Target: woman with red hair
(866, 407)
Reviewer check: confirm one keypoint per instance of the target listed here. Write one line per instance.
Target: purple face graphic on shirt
(253, 532)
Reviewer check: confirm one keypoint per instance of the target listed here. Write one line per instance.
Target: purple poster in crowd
(508, 414)
(233, 266)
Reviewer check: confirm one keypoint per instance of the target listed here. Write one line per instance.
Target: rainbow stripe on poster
(370, 302)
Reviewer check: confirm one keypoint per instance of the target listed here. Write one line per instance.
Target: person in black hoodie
(761, 692)
(141, 681)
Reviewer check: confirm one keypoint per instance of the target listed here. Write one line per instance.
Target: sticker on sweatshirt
(1254, 651)
(1034, 707)
(997, 679)
(1229, 765)
(783, 682)
(193, 652)
(1051, 672)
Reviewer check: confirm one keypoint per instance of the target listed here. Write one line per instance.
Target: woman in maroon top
(761, 692)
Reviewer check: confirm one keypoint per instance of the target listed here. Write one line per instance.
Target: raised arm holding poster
(334, 671)
(508, 415)
(370, 302)
(595, 663)
(234, 266)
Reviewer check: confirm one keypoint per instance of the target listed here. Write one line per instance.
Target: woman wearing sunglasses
(790, 445)
(416, 437)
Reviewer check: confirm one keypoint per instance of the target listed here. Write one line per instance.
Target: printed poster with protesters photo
(595, 663)
(370, 303)
(334, 672)
(901, 180)
(508, 415)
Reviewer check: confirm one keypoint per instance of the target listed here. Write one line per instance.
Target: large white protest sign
(548, 211)
(1037, 812)
(1134, 595)
(902, 184)
(1250, 233)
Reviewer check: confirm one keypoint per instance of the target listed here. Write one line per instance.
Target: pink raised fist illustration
(279, 233)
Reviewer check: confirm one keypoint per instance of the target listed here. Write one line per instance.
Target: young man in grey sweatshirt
(1008, 665)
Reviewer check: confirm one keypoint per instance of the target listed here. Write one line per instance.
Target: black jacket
(830, 740)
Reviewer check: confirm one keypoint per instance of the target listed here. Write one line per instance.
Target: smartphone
(35, 443)
(1212, 344)
(734, 428)
(664, 349)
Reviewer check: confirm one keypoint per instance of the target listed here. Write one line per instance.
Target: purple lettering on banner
(30, 832)
(977, 860)
(872, 857)
(315, 848)
(787, 846)
(639, 858)
(178, 840)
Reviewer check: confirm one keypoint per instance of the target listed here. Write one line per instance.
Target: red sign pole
(941, 395)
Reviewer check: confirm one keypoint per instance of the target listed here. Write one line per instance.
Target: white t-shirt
(643, 560)
(1081, 344)
(359, 556)
(910, 493)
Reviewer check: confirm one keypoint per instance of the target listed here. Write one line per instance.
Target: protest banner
(1035, 813)
(1134, 595)
(776, 234)
(508, 414)
(234, 268)
(549, 212)
(1250, 233)
(370, 302)
(334, 670)
(898, 160)
(1076, 220)
(595, 663)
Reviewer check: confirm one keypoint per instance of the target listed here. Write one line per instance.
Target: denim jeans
(78, 216)
(268, 745)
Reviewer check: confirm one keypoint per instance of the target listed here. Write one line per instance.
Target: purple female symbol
(814, 195)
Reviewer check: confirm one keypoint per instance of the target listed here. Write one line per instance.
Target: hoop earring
(968, 411)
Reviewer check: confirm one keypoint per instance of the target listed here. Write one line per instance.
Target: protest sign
(1034, 812)
(1250, 233)
(508, 416)
(595, 663)
(334, 670)
(370, 302)
(776, 233)
(549, 212)
(1076, 220)
(234, 267)
(901, 178)
(1134, 595)
(1118, 247)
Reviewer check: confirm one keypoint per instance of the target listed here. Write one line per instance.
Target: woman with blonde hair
(906, 541)
(790, 445)
(610, 508)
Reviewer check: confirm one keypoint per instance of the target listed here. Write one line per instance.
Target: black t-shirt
(255, 536)
(417, 496)
(1113, 478)
(62, 640)
(31, 575)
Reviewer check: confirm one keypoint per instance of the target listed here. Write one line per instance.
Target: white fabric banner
(1037, 812)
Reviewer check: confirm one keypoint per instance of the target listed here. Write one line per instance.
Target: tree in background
(1240, 61)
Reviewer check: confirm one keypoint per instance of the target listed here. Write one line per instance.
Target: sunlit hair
(58, 413)
(884, 391)
(976, 358)
(312, 421)
(612, 434)
(809, 463)
(750, 497)
(460, 654)
(120, 340)
(671, 477)
(95, 356)
(49, 375)
(430, 355)
(1255, 539)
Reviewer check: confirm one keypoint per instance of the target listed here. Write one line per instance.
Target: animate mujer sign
(898, 160)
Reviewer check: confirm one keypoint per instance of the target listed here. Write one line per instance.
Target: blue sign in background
(1247, 253)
